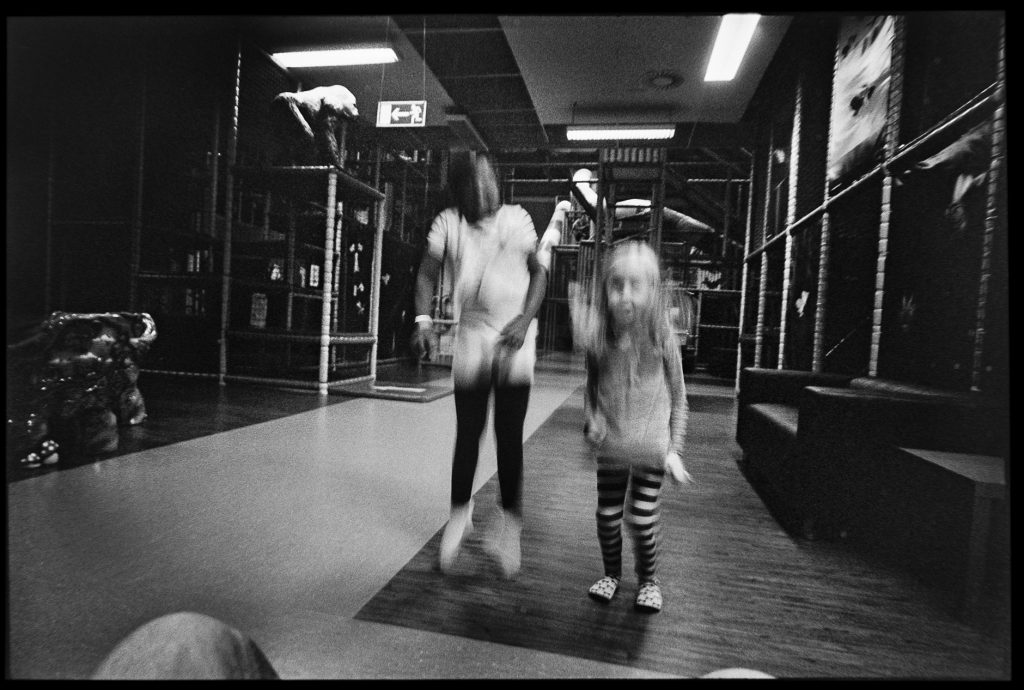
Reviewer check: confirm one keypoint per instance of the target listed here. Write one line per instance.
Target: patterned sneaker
(459, 526)
(648, 597)
(604, 589)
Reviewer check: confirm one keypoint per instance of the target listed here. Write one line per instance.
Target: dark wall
(79, 91)
(933, 268)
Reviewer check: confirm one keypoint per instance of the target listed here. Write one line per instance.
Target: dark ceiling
(520, 79)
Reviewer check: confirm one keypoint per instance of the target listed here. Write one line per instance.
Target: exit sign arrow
(401, 113)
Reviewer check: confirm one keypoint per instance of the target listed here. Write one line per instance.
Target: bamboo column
(602, 221)
(892, 136)
(136, 230)
(825, 242)
(337, 268)
(211, 222)
(378, 253)
(229, 192)
(991, 213)
(787, 267)
(762, 293)
(48, 231)
(327, 282)
(290, 268)
(743, 280)
(658, 203)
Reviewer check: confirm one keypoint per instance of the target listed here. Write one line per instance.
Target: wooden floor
(739, 591)
(312, 524)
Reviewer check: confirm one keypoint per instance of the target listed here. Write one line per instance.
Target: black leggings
(510, 405)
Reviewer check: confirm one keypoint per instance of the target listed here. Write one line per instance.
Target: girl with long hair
(636, 411)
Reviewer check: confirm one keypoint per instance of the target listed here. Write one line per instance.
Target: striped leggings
(644, 508)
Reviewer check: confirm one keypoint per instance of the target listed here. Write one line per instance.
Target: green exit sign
(401, 113)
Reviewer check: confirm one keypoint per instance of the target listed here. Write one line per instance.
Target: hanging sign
(401, 113)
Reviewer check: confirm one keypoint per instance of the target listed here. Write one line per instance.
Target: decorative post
(787, 267)
(825, 243)
(327, 282)
(991, 211)
(229, 193)
(743, 281)
(762, 293)
(136, 231)
(892, 136)
(378, 253)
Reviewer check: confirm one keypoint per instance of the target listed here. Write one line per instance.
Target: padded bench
(815, 445)
(944, 516)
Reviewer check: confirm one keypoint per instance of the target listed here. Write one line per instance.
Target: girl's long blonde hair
(592, 326)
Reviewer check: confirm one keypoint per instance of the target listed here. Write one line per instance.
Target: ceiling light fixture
(336, 58)
(618, 133)
(734, 34)
(661, 80)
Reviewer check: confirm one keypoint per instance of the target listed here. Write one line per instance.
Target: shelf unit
(307, 265)
(291, 274)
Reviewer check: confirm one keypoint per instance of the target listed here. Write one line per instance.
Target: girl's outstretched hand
(596, 428)
(676, 470)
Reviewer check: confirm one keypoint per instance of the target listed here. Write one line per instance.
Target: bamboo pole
(787, 266)
(211, 223)
(339, 258)
(658, 203)
(825, 242)
(290, 267)
(48, 230)
(892, 135)
(762, 293)
(135, 241)
(378, 253)
(991, 216)
(748, 232)
(192, 374)
(229, 188)
(602, 220)
(327, 281)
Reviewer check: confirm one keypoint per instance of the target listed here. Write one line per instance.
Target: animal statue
(310, 120)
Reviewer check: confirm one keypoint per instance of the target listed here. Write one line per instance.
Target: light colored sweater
(640, 392)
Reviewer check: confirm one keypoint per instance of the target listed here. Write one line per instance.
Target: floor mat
(738, 592)
(403, 381)
(395, 390)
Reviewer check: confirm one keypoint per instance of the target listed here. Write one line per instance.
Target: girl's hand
(597, 429)
(675, 469)
(513, 335)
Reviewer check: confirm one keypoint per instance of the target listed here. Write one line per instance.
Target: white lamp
(339, 57)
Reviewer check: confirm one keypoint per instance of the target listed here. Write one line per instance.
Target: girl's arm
(677, 388)
(514, 333)
(594, 427)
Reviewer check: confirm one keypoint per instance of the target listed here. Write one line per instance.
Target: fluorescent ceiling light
(617, 133)
(336, 58)
(734, 34)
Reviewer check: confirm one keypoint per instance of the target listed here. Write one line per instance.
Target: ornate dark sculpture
(72, 382)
